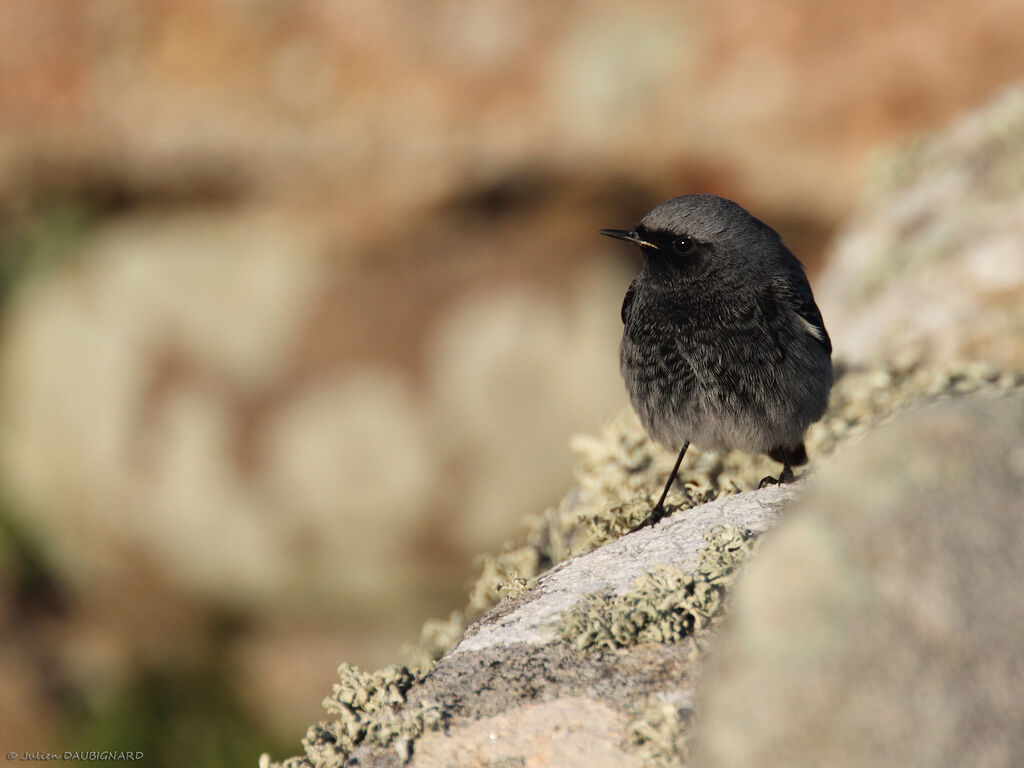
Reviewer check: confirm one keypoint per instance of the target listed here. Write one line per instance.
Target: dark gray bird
(722, 346)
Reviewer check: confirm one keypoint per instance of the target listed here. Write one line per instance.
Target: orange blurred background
(302, 301)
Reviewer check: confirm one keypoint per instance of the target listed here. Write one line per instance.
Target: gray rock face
(519, 689)
(612, 569)
(931, 266)
(878, 624)
(881, 624)
(515, 690)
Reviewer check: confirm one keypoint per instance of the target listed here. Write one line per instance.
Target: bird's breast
(719, 380)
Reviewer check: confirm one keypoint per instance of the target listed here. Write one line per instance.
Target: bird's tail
(797, 454)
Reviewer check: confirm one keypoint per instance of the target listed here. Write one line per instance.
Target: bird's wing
(627, 301)
(794, 292)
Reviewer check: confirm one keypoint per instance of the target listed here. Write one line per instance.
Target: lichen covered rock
(931, 265)
(581, 614)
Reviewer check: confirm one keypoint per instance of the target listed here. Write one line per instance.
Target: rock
(899, 550)
(168, 400)
(230, 408)
(366, 104)
(538, 679)
(573, 730)
(931, 267)
(613, 568)
(881, 623)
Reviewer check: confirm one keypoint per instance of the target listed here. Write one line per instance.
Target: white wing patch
(811, 328)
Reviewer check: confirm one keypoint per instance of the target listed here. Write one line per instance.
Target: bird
(723, 346)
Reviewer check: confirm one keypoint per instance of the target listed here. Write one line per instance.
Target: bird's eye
(684, 246)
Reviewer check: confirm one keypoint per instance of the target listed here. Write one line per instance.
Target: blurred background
(302, 300)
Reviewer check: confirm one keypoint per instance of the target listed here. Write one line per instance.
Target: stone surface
(880, 625)
(166, 387)
(613, 568)
(516, 689)
(567, 731)
(404, 104)
(877, 623)
(931, 266)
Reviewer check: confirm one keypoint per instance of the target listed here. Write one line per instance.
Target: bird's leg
(785, 476)
(659, 512)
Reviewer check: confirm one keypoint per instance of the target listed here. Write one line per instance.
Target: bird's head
(688, 236)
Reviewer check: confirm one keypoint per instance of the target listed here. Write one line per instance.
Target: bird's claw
(785, 476)
(657, 514)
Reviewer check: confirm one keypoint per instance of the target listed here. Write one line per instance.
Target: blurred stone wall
(391, 105)
(303, 299)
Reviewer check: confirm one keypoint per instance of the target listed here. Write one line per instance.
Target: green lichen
(667, 604)
(370, 709)
(516, 586)
(506, 575)
(436, 637)
(615, 518)
(497, 572)
(659, 735)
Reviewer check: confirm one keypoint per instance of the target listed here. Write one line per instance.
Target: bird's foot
(658, 514)
(785, 476)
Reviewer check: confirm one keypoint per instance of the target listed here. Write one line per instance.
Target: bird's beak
(629, 236)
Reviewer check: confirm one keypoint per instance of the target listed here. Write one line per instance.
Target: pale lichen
(621, 471)
(666, 604)
(986, 147)
(659, 735)
(436, 637)
(371, 709)
(497, 571)
(506, 575)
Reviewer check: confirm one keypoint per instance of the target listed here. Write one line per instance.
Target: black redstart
(722, 345)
